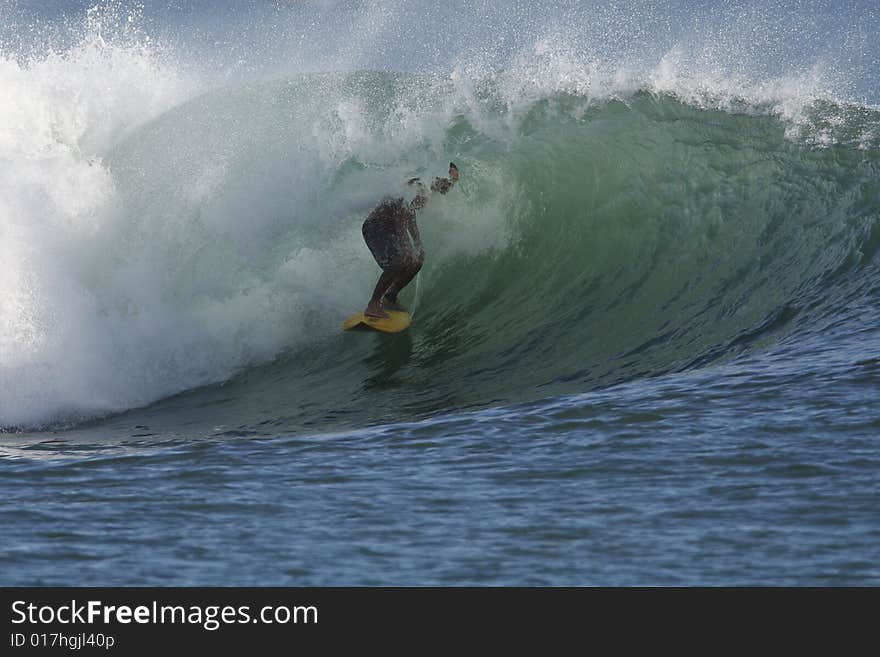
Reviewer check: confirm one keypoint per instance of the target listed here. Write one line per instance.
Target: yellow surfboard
(395, 323)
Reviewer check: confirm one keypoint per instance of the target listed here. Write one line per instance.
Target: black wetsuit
(386, 233)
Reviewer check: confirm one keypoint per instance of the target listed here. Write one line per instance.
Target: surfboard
(395, 323)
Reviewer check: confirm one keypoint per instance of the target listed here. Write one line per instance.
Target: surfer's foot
(392, 304)
(374, 309)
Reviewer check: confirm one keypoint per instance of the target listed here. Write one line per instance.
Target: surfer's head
(443, 185)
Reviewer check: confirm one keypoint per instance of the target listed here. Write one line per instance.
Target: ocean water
(646, 339)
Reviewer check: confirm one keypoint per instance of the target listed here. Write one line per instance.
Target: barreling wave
(605, 229)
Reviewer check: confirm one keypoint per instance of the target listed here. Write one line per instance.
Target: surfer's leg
(391, 304)
(401, 281)
(374, 308)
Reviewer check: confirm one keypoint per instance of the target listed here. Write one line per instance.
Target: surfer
(392, 235)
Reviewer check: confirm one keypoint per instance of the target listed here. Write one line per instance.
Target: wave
(609, 225)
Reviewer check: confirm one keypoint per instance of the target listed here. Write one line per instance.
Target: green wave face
(649, 236)
(643, 191)
(590, 241)
(594, 238)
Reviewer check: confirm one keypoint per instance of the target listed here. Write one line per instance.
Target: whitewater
(646, 338)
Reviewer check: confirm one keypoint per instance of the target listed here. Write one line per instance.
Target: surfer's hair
(441, 185)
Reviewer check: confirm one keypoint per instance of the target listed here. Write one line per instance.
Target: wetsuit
(386, 232)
